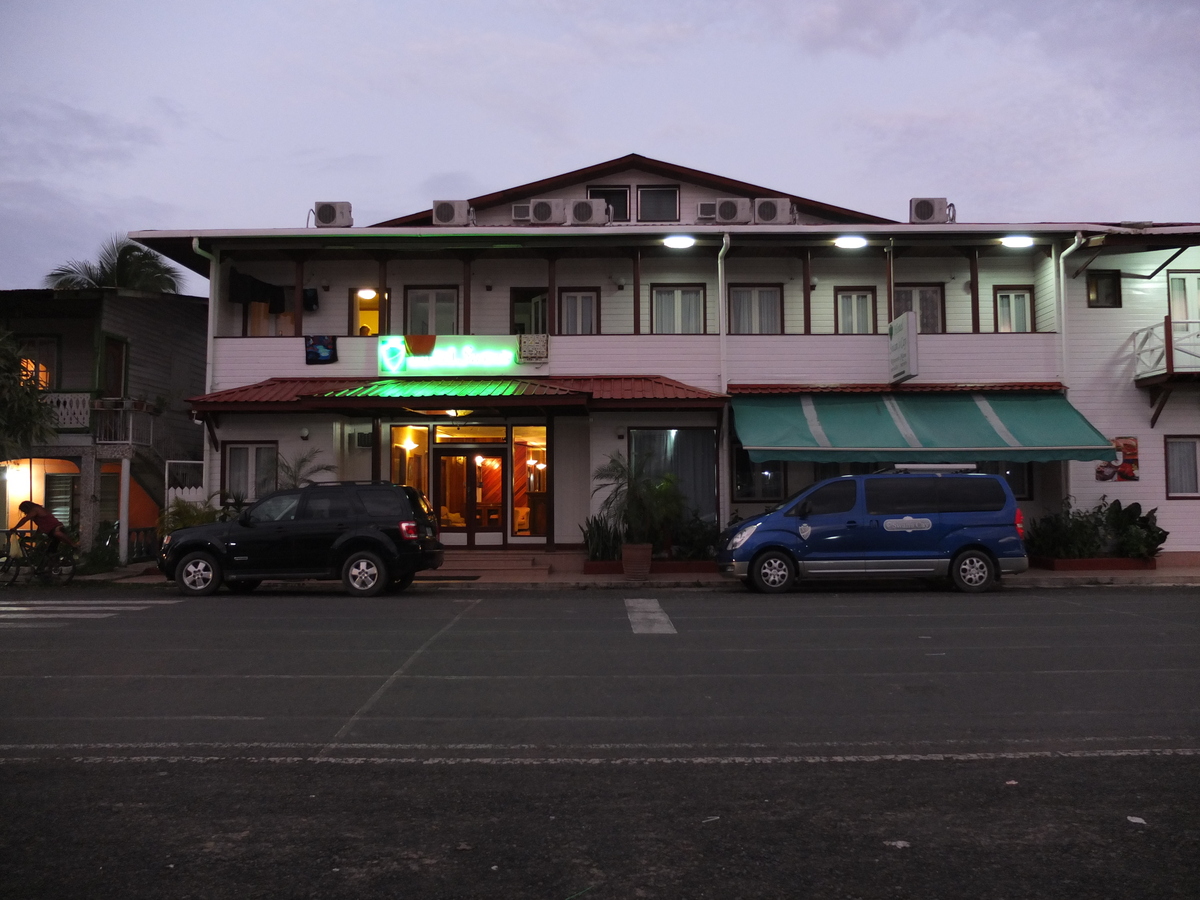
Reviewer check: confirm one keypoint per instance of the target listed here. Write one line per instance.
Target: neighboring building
(567, 327)
(118, 367)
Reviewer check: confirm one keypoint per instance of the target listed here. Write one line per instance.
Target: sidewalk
(144, 573)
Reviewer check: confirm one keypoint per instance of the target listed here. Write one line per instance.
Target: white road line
(32, 624)
(87, 603)
(617, 761)
(57, 615)
(647, 617)
(66, 607)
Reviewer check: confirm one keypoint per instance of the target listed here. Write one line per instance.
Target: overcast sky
(120, 116)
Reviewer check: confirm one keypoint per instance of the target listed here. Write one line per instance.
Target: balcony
(108, 421)
(1169, 351)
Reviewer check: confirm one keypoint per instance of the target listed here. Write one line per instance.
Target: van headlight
(742, 536)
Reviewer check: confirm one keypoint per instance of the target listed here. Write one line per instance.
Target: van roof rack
(935, 467)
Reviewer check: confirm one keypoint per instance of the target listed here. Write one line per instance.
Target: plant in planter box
(646, 508)
(1132, 534)
(1107, 530)
(602, 539)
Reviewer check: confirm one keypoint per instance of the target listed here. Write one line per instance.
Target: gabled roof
(656, 167)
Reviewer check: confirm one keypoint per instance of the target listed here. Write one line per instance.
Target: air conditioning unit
(451, 212)
(773, 211)
(547, 212)
(533, 348)
(734, 211)
(587, 212)
(706, 209)
(364, 440)
(336, 214)
(930, 211)
(520, 212)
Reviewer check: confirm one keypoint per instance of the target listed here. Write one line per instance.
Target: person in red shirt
(45, 521)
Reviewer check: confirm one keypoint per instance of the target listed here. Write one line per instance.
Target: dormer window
(616, 197)
(658, 203)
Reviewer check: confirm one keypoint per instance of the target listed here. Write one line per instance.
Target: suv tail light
(1020, 523)
(408, 531)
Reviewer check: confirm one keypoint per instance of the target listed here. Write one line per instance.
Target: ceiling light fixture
(1017, 240)
(367, 294)
(679, 241)
(850, 242)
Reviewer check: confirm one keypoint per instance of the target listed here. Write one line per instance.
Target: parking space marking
(646, 616)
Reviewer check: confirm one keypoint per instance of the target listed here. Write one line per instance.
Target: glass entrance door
(469, 493)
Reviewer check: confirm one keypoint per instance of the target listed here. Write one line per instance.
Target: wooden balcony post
(637, 291)
(807, 270)
(1169, 345)
(552, 294)
(975, 291)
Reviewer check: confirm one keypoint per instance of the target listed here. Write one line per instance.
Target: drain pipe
(1060, 300)
(723, 467)
(214, 273)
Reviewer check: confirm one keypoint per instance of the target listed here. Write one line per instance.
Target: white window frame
(1018, 298)
(436, 298)
(919, 295)
(760, 295)
(854, 294)
(678, 291)
(256, 488)
(1183, 306)
(579, 311)
(1192, 479)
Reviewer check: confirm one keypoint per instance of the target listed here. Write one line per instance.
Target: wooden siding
(167, 340)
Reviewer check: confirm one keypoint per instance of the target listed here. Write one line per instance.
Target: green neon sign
(451, 355)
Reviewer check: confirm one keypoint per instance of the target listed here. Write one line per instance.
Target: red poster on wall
(1126, 466)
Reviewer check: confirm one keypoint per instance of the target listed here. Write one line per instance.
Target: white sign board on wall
(902, 347)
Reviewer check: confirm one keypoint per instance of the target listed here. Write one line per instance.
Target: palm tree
(122, 263)
(24, 418)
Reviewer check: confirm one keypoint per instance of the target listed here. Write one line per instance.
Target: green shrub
(696, 539)
(184, 514)
(602, 538)
(104, 555)
(1106, 530)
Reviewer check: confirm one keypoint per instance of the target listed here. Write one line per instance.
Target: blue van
(965, 527)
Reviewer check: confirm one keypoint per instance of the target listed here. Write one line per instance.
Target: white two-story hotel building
(493, 351)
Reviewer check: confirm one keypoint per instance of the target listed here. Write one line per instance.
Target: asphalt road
(873, 743)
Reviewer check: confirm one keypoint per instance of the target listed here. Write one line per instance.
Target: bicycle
(38, 556)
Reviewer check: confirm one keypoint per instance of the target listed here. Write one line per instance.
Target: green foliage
(299, 470)
(184, 514)
(602, 538)
(696, 539)
(121, 263)
(648, 509)
(24, 419)
(1106, 530)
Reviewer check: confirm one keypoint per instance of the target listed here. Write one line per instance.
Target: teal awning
(916, 427)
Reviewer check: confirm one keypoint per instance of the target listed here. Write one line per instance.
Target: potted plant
(646, 508)
(1108, 536)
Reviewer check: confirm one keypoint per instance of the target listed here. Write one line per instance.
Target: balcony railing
(1168, 348)
(72, 410)
(123, 426)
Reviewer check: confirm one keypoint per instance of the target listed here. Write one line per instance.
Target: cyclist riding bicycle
(46, 524)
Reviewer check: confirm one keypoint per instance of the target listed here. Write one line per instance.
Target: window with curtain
(925, 301)
(755, 309)
(1184, 291)
(855, 310)
(678, 309)
(250, 470)
(1182, 476)
(690, 454)
(1013, 309)
(578, 312)
(658, 204)
(39, 361)
(432, 311)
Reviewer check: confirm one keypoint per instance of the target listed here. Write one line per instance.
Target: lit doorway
(469, 495)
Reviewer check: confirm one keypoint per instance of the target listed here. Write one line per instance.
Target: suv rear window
(384, 503)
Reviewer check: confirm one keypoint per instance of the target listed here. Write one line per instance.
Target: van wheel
(973, 571)
(198, 574)
(363, 574)
(772, 573)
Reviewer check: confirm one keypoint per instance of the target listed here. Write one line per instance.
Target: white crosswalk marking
(647, 617)
(18, 614)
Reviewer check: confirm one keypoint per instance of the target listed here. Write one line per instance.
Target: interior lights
(850, 242)
(1017, 240)
(367, 294)
(679, 241)
(541, 466)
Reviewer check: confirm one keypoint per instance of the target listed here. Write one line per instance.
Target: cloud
(51, 136)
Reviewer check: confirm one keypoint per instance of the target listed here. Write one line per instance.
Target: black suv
(370, 534)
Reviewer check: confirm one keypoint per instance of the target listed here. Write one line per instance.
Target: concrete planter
(657, 567)
(635, 559)
(1093, 564)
